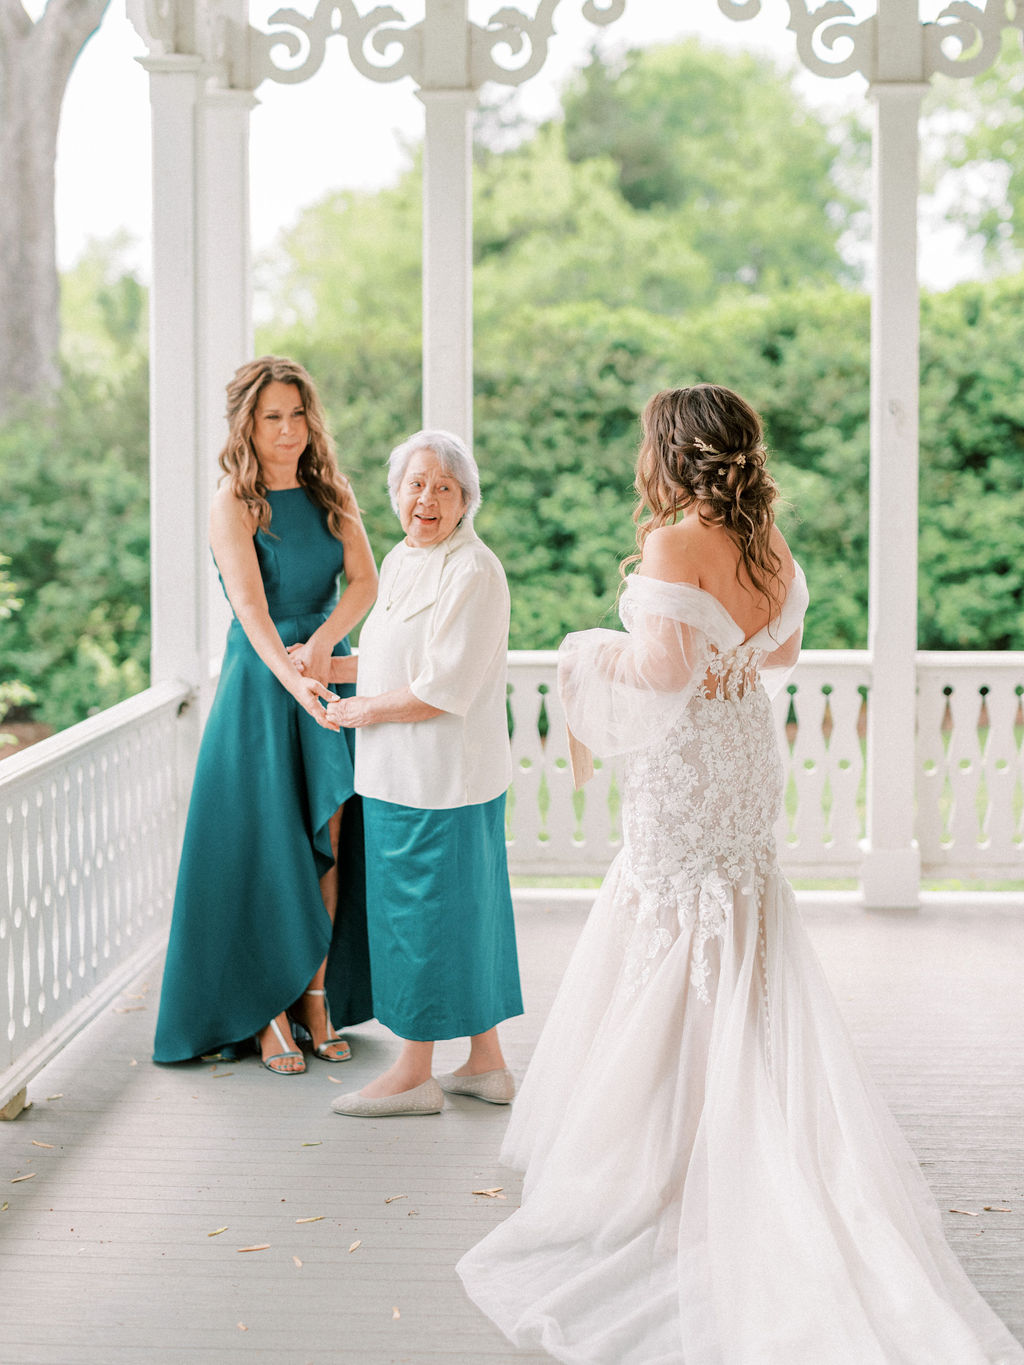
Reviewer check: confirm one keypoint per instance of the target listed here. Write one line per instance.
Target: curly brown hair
(318, 470)
(703, 447)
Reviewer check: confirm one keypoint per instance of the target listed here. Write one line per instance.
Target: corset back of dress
(731, 673)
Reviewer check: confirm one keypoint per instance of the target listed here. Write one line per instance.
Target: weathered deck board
(105, 1256)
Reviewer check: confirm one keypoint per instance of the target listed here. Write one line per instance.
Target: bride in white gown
(711, 1176)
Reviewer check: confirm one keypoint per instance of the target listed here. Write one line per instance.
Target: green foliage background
(615, 255)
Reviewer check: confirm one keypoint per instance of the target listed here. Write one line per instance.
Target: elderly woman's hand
(398, 708)
(350, 712)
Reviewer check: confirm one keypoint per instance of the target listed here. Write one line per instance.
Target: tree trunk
(35, 62)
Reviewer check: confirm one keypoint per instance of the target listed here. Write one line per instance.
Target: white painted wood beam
(447, 94)
(892, 867)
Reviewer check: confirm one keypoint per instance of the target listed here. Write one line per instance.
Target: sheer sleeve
(622, 691)
(777, 665)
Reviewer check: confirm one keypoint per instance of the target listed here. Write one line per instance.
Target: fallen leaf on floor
(966, 1212)
(141, 995)
(395, 1315)
(413, 1213)
(319, 1143)
(354, 1245)
(390, 1198)
(211, 1057)
(19, 1178)
(217, 1231)
(219, 1075)
(128, 1009)
(260, 1246)
(4, 1206)
(317, 1218)
(242, 1327)
(336, 1080)
(59, 1096)
(996, 1208)
(36, 1143)
(496, 1193)
(298, 1263)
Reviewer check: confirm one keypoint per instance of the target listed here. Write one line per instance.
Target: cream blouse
(439, 626)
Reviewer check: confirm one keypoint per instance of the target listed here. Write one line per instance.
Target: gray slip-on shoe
(427, 1098)
(496, 1087)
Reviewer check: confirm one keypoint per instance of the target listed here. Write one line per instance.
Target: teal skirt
(439, 919)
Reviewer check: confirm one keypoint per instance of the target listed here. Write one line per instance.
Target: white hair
(455, 459)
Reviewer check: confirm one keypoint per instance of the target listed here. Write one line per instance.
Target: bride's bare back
(707, 557)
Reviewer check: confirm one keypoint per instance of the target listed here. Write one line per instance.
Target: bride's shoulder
(787, 567)
(672, 554)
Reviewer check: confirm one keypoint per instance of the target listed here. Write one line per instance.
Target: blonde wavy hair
(703, 448)
(318, 470)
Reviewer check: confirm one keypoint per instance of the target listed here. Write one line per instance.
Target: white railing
(970, 819)
(970, 781)
(91, 820)
(90, 830)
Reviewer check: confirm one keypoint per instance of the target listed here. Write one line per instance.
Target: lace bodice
(682, 695)
(699, 809)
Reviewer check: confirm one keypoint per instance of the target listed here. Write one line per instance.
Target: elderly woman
(432, 766)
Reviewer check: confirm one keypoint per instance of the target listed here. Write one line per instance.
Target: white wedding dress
(711, 1176)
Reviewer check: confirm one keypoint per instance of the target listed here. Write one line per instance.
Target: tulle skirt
(718, 1183)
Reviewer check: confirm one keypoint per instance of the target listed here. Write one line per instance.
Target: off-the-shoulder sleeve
(623, 691)
(777, 665)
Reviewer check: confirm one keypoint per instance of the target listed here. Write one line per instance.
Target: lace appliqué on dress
(700, 809)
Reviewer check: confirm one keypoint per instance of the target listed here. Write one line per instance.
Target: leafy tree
(972, 468)
(548, 230)
(12, 692)
(722, 139)
(75, 514)
(976, 127)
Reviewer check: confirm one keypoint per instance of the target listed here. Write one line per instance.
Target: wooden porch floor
(107, 1254)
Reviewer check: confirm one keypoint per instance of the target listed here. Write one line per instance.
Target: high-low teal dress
(249, 927)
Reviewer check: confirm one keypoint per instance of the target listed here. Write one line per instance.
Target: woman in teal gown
(255, 942)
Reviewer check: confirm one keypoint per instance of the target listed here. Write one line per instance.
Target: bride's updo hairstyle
(703, 449)
(317, 471)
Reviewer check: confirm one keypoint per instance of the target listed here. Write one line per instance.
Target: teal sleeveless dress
(249, 927)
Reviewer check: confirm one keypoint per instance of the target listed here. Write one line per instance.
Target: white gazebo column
(177, 592)
(200, 332)
(224, 325)
(892, 867)
(447, 220)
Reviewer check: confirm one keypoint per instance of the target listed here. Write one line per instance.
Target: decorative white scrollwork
(606, 12)
(306, 37)
(962, 41)
(512, 29)
(301, 41)
(973, 34)
(512, 46)
(830, 40)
